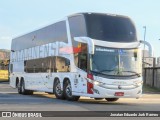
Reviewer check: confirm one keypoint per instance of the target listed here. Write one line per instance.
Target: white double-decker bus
(86, 54)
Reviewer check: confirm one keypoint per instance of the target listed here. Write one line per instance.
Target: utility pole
(144, 35)
(144, 44)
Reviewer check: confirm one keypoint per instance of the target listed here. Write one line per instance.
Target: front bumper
(100, 92)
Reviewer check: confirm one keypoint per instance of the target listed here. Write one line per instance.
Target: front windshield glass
(116, 62)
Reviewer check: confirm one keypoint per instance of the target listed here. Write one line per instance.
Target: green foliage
(147, 88)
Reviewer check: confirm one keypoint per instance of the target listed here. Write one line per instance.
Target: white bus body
(86, 54)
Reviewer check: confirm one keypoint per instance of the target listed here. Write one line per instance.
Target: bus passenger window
(62, 64)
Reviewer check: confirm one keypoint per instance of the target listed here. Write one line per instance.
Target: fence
(152, 76)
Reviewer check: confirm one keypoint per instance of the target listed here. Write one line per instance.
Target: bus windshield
(116, 62)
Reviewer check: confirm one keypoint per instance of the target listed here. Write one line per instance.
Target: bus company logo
(119, 87)
(6, 114)
(119, 83)
(104, 49)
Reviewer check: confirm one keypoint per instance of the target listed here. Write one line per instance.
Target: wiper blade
(107, 70)
(99, 72)
(138, 74)
(95, 72)
(102, 73)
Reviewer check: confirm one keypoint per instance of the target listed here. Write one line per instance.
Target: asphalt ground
(10, 100)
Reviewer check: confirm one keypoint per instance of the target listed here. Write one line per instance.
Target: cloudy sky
(22, 16)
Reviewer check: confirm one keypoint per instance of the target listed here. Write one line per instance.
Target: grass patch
(147, 88)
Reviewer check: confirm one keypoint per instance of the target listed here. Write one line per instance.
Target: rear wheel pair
(66, 93)
(22, 90)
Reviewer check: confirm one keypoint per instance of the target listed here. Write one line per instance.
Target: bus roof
(45, 35)
(95, 13)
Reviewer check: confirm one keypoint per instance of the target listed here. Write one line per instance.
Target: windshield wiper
(97, 72)
(107, 70)
(135, 73)
(138, 74)
(101, 72)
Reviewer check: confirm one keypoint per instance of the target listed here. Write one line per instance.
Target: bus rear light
(89, 88)
(119, 94)
(89, 84)
(90, 76)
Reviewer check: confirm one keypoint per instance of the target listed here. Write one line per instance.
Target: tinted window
(62, 64)
(42, 65)
(116, 62)
(49, 34)
(80, 58)
(77, 27)
(110, 28)
(60, 31)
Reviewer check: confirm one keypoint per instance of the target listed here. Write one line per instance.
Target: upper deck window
(110, 28)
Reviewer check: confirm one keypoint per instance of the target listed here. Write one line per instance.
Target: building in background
(4, 63)
(158, 62)
(147, 60)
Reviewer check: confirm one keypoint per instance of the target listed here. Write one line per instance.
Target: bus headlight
(139, 83)
(96, 83)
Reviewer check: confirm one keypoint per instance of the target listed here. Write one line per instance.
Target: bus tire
(111, 99)
(68, 92)
(19, 88)
(23, 90)
(57, 90)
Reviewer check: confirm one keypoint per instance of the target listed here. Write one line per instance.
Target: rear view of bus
(113, 55)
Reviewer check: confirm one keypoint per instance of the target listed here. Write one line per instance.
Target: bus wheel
(23, 90)
(19, 88)
(111, 99)
(68, 92)
(57, 90)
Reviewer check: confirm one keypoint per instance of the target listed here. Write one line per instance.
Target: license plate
(119, 94)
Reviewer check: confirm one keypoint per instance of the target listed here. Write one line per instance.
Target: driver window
(81, 57)
(82, 63)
